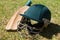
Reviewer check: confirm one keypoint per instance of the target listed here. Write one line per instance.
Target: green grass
(7, 9)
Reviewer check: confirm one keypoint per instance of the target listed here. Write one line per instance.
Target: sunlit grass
(9, 7)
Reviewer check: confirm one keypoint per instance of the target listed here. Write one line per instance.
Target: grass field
(9, 7)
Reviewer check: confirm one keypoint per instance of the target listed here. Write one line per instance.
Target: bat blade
(12, 24)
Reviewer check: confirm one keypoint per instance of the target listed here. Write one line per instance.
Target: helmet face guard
(31, 28)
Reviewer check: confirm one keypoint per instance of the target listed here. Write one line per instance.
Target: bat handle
(29, 3)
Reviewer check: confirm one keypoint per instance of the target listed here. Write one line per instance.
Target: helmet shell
(37, 12)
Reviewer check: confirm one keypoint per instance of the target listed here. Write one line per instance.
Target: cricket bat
(12, 24)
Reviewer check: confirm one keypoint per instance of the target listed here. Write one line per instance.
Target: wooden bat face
(12, 24)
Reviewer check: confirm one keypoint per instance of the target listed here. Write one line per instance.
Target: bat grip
(29, 3)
